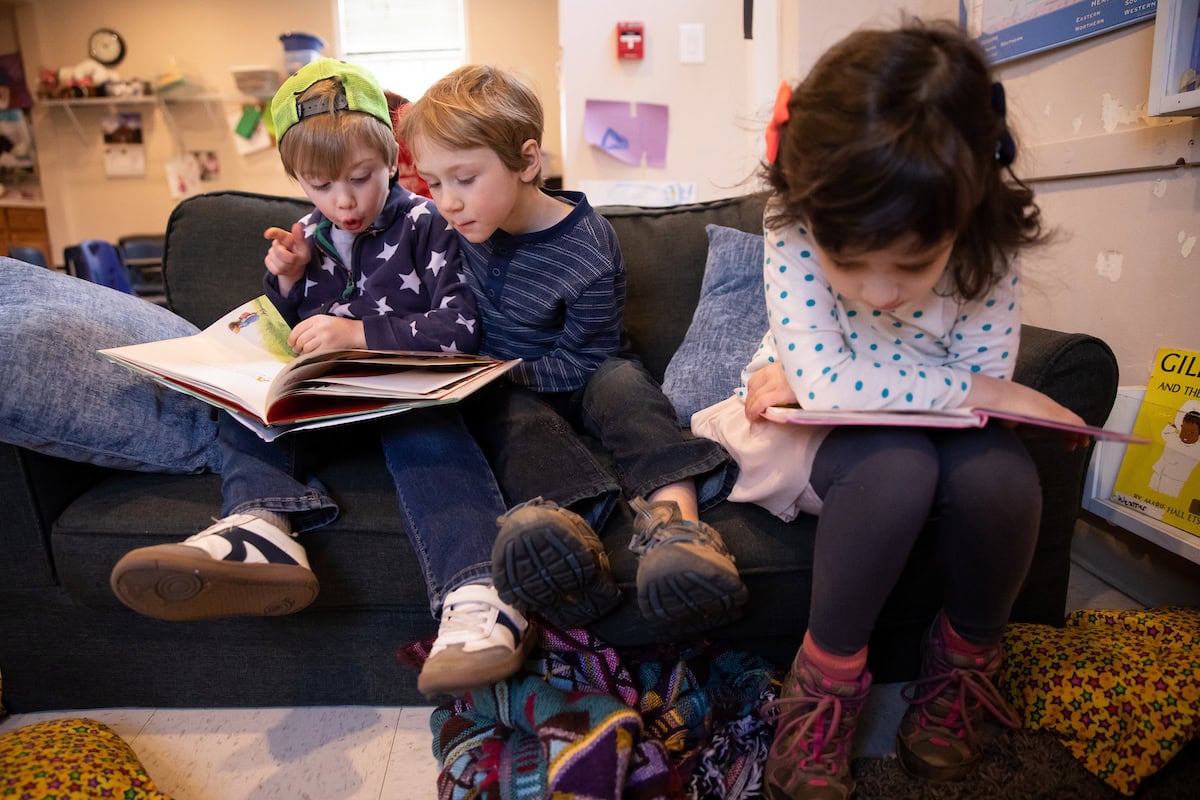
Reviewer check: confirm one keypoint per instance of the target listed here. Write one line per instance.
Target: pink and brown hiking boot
(941, 734)
(814, 719)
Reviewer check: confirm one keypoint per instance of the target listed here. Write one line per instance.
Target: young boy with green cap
(373, 266)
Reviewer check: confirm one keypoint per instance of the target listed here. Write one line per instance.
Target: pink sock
(831, 665)
(957, 642)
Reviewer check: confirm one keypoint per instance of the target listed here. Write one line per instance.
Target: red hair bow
(778, 117)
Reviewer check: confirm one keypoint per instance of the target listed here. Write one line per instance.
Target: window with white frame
(408, 44)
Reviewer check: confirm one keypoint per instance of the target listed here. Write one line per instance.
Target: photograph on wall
(208, 164)
(183, 176)
(1009, 29)
(13, 91)
(248, 137)
(124, 149)
(16, 141)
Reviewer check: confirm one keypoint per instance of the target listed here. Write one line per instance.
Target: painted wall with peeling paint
(1123, 260)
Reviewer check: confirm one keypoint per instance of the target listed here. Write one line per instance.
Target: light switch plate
(691, 43)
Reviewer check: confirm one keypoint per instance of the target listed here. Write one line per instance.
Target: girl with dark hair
(890, 284)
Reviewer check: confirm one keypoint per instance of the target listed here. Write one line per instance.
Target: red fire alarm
(630, 40)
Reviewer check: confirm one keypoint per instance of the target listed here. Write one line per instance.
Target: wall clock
(106, 46)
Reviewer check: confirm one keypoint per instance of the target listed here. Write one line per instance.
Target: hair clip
(1006, 148)
(778, 116)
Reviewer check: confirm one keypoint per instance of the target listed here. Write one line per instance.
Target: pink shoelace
(829, 742)
(964, 691)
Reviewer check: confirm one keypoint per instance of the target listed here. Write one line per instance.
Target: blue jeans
(60, 398)
(534, 446)
(448, 498)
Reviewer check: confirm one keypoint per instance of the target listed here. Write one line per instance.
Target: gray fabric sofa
(66, 642)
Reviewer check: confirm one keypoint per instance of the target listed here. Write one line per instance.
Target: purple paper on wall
(627, 131)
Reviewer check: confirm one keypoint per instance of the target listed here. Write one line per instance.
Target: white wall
(1122, 266)
(522, 36)
(206, 39)
(718, 109)
(1123, 262)
(714, 128)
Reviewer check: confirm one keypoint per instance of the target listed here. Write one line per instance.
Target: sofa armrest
(1080, 372)
(34, 490)
(1076, 369)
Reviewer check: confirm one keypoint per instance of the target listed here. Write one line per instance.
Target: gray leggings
(977, 490)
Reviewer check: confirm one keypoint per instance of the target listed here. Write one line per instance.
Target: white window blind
(408, 44)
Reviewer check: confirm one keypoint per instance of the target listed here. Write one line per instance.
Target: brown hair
(477, 106)
(895, 133)
(320, 145)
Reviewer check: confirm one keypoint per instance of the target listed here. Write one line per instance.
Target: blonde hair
(478, 106)
(320, 145)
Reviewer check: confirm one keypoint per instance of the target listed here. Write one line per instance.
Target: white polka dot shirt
(843, 354)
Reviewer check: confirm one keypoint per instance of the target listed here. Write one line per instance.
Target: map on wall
(1009, 29)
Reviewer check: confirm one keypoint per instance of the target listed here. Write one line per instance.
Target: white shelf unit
(1102, 473)
(162, 102)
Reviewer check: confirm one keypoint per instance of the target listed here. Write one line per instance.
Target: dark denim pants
(534, 443)
(448, 498)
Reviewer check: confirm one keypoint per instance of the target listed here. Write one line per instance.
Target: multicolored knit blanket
(588, 721)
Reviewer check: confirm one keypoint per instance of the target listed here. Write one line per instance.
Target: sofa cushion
(215, 248)
(728, 324)
(664, 251)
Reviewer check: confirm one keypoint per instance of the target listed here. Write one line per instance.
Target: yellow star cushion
(1120, 689)
(67, 759)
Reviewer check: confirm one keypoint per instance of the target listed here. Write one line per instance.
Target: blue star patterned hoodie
(405, 281)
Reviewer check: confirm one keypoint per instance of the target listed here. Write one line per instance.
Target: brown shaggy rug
(1021, 764)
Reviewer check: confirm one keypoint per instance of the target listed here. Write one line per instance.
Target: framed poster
(124, 150)
(1009, 29)
(1175, 68)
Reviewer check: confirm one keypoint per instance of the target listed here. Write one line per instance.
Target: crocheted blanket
(588, 721)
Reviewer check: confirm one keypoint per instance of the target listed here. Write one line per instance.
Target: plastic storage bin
(300, 49)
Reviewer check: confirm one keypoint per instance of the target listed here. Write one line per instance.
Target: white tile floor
(358, 753)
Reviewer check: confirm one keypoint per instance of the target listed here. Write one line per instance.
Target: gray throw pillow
(727, 326)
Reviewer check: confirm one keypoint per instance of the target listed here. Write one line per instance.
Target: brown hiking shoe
(686, 579)
(941, 734)
(814, 718)
(548, 559)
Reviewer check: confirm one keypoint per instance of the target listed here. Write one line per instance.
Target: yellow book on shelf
(1162, 480)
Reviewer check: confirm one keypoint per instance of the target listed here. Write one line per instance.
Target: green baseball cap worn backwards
(360, 92)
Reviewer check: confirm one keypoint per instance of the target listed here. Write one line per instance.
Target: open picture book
(243, 364)
(944, 418)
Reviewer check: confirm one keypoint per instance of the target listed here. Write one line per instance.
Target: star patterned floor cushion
(1120, 689)
(74, 758)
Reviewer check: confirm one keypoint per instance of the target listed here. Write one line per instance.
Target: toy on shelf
(88, 78)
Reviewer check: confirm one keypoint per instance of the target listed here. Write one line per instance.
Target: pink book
(945, 418)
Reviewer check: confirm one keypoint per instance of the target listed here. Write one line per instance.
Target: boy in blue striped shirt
(549, 282)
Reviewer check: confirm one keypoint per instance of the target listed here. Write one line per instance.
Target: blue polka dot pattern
(922, 354)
